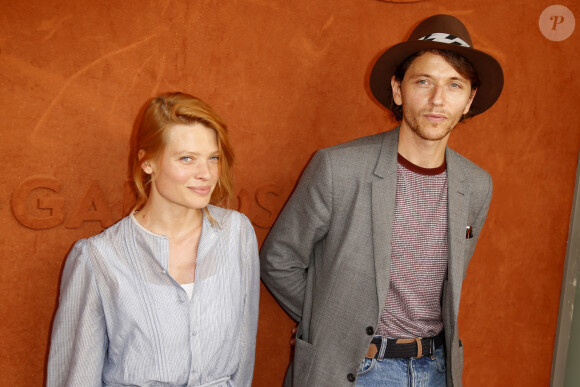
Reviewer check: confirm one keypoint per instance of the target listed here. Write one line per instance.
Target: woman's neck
(176, 223)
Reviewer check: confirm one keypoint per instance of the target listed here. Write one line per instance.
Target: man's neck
(421, 152)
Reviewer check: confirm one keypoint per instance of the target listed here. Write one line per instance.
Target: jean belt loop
(382, 350)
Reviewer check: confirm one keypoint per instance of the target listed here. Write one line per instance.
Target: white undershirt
(188, 289)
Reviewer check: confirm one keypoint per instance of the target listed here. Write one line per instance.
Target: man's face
(434, 97)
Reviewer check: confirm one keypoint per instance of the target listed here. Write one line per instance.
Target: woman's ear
(146, 165)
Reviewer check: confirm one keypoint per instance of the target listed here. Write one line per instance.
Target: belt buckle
(373, 351)
(417, 341)
(419, 347)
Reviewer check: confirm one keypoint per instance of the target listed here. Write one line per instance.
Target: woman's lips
(203, 191)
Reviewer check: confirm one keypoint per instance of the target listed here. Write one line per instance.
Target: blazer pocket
(304, 354)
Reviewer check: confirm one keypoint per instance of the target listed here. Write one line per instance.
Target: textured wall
(289, 77)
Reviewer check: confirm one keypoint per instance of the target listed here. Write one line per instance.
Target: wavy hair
(161, 114)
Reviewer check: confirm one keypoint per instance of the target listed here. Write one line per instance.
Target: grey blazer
(327, 258)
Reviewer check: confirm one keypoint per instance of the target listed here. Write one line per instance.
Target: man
(370, 252)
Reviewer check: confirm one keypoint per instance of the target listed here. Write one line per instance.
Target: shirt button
(194, 333)
(370, 331)
(350, 377)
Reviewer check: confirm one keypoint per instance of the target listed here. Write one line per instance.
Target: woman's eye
(214, 158)
(186, 158)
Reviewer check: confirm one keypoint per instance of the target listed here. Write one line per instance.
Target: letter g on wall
(48, 212)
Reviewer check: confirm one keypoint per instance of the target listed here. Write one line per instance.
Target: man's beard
(426, 130)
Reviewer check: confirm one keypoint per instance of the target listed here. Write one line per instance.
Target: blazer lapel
(458, 194)
(383, 208)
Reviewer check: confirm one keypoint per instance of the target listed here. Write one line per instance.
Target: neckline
(420, 170)
(136, 222)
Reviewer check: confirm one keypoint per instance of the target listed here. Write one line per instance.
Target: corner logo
(557, 23)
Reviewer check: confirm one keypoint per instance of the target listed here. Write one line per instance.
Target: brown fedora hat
(443, 32)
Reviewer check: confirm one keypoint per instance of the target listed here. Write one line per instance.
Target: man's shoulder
(462, 166)
(362, 146)
(358, 158)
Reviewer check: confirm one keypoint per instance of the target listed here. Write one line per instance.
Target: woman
(168, 296)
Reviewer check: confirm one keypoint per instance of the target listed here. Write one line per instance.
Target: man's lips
(437, 117)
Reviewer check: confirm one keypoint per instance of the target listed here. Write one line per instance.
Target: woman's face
(186, 172)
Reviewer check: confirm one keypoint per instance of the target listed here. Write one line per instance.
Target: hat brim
(488, 69)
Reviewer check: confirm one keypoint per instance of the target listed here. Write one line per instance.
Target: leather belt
(416, 347)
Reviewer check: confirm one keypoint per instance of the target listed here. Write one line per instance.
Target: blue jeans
(429, 371)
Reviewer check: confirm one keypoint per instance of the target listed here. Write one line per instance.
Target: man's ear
(470, 101)
(396, 86)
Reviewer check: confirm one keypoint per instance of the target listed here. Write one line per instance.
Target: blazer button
(370, 331)
(350, 377)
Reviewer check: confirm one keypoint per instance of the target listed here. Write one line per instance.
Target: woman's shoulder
(109, 235)
(108, 245)
(227, 217)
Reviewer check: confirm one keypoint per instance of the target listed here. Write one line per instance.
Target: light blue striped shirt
(123, 321)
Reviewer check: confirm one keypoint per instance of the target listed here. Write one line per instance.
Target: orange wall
(289, 77)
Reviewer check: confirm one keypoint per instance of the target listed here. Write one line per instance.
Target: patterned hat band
(442, 37)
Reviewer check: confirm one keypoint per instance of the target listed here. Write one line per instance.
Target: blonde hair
(162, 113)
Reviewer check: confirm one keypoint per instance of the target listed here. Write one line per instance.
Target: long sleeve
(303, 223)
(123, 320)
(249, 324)
(79, 337)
